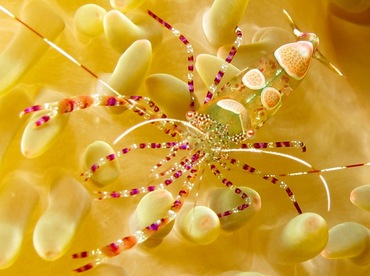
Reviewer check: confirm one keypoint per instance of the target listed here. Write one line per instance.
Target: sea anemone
(46, 211)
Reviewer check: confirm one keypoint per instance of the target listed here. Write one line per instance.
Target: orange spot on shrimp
(295, 58)
(254, 79)
(270, 97)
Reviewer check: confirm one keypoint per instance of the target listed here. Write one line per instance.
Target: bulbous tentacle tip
(170, 93)
(220, 31)
(221, 200)
(347, 240)
(11, 242)
(18, 200)
(121, 31)
(151, 207)
(88, 20)
(69, 204)
(130, 71)
(106, 173)
(199, 224)
(360, 197)
(203, 64)
(301, 239)
(36, 139)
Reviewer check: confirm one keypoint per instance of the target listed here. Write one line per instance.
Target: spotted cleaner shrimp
(225, 122)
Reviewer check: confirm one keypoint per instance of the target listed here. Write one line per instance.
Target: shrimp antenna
(338, 168)
(60, 50)
(317, 54)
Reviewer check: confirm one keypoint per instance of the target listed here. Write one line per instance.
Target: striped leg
(213, 88)
(74, 103)
(274, 145)
(140, 105)
(122, 152)
(143, 106)
(184, 162)
(238, 191)
(270, 178)
(175, 172)
(189, 50)
(115, 248)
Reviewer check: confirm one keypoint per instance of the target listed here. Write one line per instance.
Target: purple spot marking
(177, 174)
(153, 227)
(32, 108)
(151, 188)
(111, 101)
(94, 167)
(184, 146)
(227, 213)
(42, 120)
(110, 157)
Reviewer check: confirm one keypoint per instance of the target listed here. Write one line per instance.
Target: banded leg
(221, 72)
(263, 145)
(74, 103)
(117, 247)
(231, 186)
(270, 178)
(213, 88)
(143, 106)
(274, 145)
(177, 173)
(189, 50)
(184, 163)
(78, 103)
(82, 102)
(102, 161)
(146, 104)
(172, 154)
